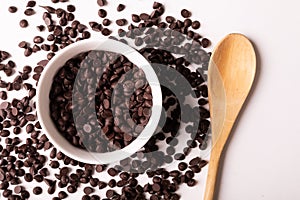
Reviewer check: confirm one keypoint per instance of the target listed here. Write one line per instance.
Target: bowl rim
(43, 111)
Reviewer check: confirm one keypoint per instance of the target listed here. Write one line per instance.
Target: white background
(262, 159)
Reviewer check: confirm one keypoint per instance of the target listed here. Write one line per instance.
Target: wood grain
(230, 76)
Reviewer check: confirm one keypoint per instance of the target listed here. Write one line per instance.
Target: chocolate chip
(37, 190)
(62, 195)
(205, 42)
(182, 166)
(156, 187)
(120, 7)
(29, 12)
(102, 13)
(88, 190)
(106, 22)
(100, 168)
(102, 185)
(71, 8)
(101, 2)
(156, 5)
(196, 25)
(195, 161)
(121, 22)
(18, 189)
(31, 4)
(38, 39)
(28, 177)
(7, 193)
(112, 172)
(135, 18)
(106, 32)
(71, 189)
(185, 13)
(23, 23)
(12, 9)
(52, 188)
(3, 95)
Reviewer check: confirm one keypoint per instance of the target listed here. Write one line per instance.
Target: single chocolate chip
(38, 39)
(196, 24)
(29, 12)
(71, 8)
(101, 2)
(120, 7)
(191, 182)
(3, 95)
(185, 13)
(23, 23)
(71, 189)
(6, 193)
(18, 189)
(52, 188)
(12, 9)
(62, 195)
(106, 32)
(31, 4)
(102, 185)
(106, 22)
(112, 172)
(102, 13)
(121, 22)
(112, 183)
(135, 18)
(156, 5)
(100, 168)
(88, 190)
(37, 190)
(205, 42)
(182, 166)
(156, 187)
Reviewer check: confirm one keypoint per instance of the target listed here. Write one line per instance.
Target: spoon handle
(212, 174)
(218, 142)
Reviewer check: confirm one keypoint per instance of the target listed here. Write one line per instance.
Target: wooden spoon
(230, 76)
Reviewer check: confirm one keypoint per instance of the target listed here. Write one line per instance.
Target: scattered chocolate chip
(37, 190)
(18, 189)
(196, 25)
(185, 13)
(62, 195)
(3, 95)
(135, 18)
(38, 39)
(106, 22)
(31, 4)
(71, 189)
(106, 32)
(156, 5)
(205, 42)
(102, 13)
(71, 8)
(29, 12)
(121, 22)
(12, 9)
(88, 190)
(23, 23)
(120, 7)
(101, 2)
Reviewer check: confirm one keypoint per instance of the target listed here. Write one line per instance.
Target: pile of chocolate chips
(31, 158)
(116, 78)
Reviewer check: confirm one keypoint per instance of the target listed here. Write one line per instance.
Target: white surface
(262, 158)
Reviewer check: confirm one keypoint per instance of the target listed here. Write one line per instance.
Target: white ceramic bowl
(43, 109)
